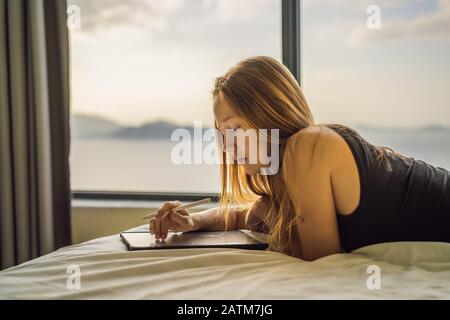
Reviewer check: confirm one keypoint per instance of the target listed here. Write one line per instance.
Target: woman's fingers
(183, 212)
(166, 207)
(160, 226)
(167, 219)
(155, 223)
(165, 223)
(152, 225)
(157, 228)
(177, 217)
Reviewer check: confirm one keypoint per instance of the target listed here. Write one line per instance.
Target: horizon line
(162, 120)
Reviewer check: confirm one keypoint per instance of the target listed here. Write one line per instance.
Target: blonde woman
(334, 191)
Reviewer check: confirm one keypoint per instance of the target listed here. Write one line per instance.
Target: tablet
(240, 239)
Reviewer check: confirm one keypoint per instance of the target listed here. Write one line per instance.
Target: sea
(145, 165)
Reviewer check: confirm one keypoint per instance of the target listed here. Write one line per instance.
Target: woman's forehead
(222, 110)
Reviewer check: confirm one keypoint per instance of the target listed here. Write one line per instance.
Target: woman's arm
(309, 158)
(214, 219)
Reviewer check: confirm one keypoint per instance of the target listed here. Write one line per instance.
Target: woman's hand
(166, 218)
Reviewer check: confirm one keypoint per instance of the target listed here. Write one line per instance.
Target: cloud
(227, 10)
(431, 26)
(360, 3)
(103, 15)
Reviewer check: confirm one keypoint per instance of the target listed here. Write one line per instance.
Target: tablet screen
(232, 238)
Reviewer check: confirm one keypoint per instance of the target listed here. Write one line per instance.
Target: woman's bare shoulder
(315, 148)
(312, 144)
(321, 152)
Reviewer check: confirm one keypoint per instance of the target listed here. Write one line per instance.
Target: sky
(135, 61)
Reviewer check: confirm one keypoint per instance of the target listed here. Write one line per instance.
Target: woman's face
(227, 119)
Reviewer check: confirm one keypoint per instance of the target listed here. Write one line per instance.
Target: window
(381, 67)
(141, 68)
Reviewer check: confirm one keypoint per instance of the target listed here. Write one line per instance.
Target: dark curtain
(34, 129)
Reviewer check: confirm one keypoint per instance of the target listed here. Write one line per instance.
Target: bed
(403, 270)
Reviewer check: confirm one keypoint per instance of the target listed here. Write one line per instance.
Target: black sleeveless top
(409, 203)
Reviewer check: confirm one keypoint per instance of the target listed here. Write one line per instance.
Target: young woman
(334, 191)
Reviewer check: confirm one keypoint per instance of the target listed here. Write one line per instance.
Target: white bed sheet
(409, 270)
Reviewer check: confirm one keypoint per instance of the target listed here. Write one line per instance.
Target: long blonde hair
(266, 95)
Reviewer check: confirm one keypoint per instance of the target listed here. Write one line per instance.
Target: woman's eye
(233, 129)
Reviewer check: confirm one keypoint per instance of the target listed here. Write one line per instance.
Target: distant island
(88, 126)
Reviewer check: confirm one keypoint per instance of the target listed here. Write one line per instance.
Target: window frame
(291, 56)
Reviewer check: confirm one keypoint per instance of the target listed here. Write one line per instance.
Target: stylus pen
(185, 206)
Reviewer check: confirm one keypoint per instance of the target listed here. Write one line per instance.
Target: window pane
(142, 68)
(391, 83)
